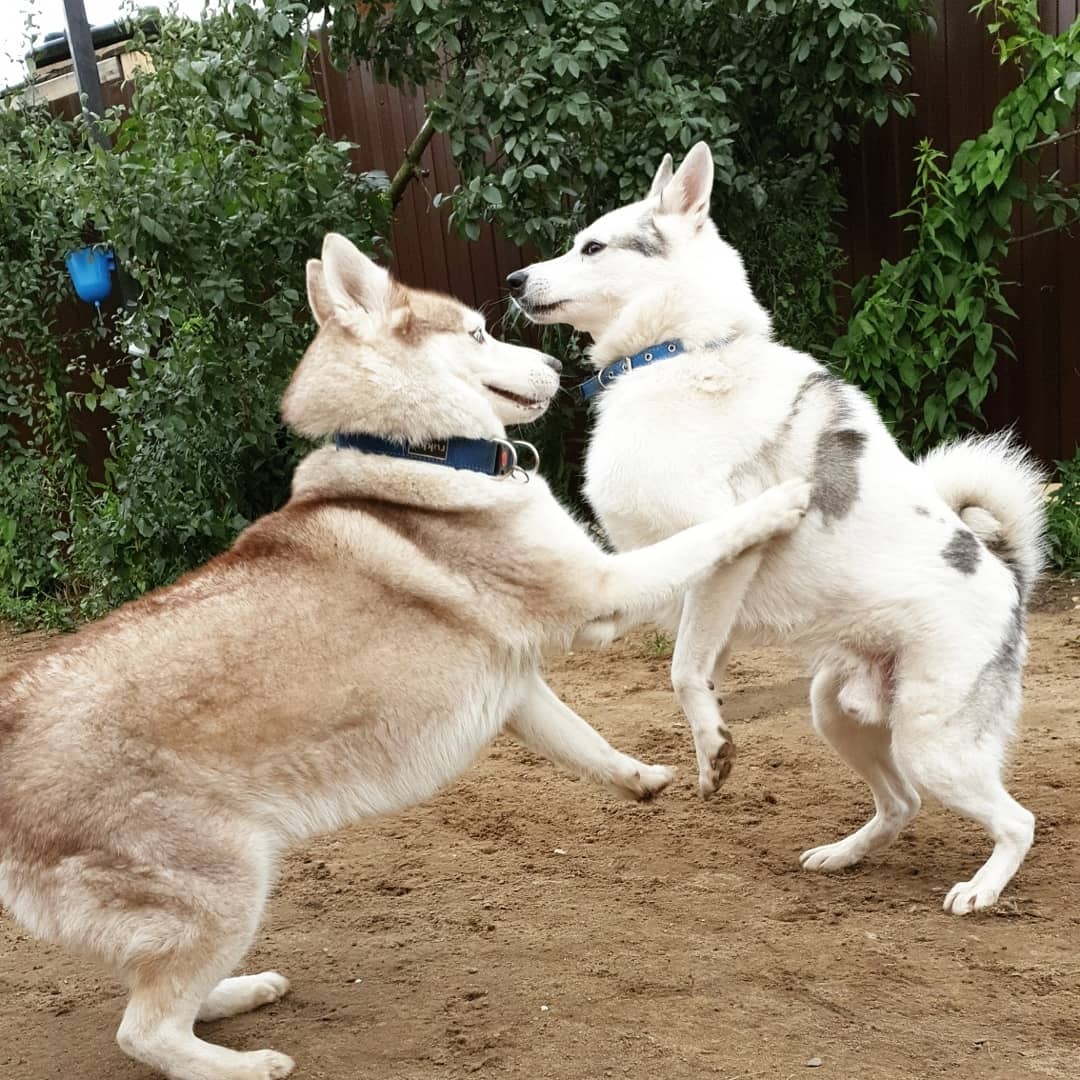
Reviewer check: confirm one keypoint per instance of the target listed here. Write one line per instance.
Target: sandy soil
(524, 925)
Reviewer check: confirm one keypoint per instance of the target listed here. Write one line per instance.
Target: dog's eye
(477, 334)
(592, 247)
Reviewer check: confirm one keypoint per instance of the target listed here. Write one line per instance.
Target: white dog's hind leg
(708, 617)
(552, 729)
(867, 747)
(241, 994)
(952, 745)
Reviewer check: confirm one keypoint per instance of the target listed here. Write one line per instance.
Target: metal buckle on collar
(620, 367)
(506, 461)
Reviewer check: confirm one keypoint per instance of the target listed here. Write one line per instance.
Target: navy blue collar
(593, 387)
(492, 457)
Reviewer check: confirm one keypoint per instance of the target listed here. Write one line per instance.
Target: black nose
(517, 280)
(553, 363)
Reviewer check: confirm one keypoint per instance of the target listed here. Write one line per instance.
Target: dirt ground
(524, 925)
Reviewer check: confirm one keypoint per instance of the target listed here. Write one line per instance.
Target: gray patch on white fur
(963, 551)
(648, 240)
(994, 699)
(836, 472)
(999, 546)
(819, 378)
(1010, 655)
(922, 511)
(766, 460)
(837, 453)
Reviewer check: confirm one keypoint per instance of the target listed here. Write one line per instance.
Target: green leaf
(984, 364)
(976, 395)
(935, 413)
(1001, 209)
(956, 384)
(909, 373)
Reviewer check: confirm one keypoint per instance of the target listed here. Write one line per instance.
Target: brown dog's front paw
(645, 782)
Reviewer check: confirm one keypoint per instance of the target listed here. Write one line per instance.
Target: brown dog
(348, 656)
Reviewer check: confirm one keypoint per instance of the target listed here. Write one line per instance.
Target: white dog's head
(661, 250)
(399, 362)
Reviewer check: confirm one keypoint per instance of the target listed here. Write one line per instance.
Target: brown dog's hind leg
(181, 949)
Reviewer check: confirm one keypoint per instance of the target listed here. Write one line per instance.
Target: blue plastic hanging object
(91, 272)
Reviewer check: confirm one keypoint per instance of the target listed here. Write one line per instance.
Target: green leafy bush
(1063, 518)
(218, 188)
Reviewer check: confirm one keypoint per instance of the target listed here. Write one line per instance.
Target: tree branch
(1041, 232)
(1060, 137)
(410, 167)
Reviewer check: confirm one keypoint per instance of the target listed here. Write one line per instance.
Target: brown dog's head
(404, 363)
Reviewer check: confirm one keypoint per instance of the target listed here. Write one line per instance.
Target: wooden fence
(958, 80)
(383, 122)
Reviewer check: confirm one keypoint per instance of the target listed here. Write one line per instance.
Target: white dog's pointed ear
(690, 189)
(663, 175)
(351, 279)
(318, 297)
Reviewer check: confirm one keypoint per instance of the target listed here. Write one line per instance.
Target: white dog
(350, 654)
(907, 583)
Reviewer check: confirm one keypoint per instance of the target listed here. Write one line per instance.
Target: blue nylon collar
(492, 457)
(593, 387)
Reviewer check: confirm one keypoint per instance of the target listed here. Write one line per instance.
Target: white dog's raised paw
(716, 769)
(966, 897)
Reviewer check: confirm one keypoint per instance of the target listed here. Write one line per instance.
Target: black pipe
(81, 44)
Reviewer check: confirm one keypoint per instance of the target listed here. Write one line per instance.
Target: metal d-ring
(518, 445)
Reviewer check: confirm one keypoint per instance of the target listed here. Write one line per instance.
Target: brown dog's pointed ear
(660, 180)
(318, 297)
(352, 280)
(690, 189)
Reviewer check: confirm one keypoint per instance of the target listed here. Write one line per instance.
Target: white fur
(996, 488)
(897, 586)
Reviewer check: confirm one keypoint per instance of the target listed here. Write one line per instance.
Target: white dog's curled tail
(996, 486)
